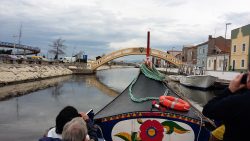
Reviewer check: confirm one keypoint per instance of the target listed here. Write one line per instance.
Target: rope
(150, 73)
(156, 75)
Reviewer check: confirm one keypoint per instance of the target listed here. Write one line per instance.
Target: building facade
(189, 55)
(215, 62)
(216, 49)
(202, 50)
(240, 48)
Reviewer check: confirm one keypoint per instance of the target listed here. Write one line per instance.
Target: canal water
(25, 118)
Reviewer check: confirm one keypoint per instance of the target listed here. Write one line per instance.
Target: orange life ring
(174, 103)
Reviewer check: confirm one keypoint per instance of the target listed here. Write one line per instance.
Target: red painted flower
(151, 130)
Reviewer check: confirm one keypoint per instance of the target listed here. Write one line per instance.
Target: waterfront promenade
(222, 75)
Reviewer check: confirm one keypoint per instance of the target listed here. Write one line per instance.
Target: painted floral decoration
(151, 130)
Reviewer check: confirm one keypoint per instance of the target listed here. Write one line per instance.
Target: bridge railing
(26, 47)
(135, 51)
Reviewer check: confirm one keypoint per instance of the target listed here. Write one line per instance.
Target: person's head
(65, 115)
(75, 130)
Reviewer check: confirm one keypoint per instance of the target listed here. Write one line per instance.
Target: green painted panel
(234, 33)
(246, 30)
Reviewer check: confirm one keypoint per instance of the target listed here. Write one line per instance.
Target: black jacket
(234, 111)
(92, 131)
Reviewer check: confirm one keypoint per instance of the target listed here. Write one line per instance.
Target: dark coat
(49, 139)
(233, 109)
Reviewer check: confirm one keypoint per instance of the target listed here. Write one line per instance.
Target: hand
(248, 81)
(84, 116)
(235, 84)
(149, 64)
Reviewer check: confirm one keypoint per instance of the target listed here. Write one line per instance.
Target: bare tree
(78, 55)
(57, 47)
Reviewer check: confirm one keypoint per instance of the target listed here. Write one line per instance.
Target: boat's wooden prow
(131, 117)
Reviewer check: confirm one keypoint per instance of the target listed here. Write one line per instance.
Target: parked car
(37, 57)
(13, 57)
(69, 59)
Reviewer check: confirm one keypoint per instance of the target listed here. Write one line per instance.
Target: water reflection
(117, 81)
(198, 98)
(26, 117)
(17, 108)
(28, 87)
(93, 81)
(57, 89)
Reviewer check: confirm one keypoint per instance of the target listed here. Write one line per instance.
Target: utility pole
(224, 60)
(173, 51)
(19, 38)
(14, 36)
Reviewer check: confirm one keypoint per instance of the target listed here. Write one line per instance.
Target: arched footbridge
(27, 50)
(135, 51)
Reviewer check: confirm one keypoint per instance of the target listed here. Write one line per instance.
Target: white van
(69, 59)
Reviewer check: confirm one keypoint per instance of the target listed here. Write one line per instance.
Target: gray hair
(75, 130)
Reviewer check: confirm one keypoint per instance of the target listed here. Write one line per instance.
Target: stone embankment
(14, 73)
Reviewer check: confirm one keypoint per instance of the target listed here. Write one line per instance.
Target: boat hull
(175, 78)
(175, 127)
(125, 117)
(198, 81)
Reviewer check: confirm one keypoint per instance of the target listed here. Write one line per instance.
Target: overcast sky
(101, 26)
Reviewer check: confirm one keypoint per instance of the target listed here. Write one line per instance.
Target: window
(209, 63)
(234, 48)
(243, 47)
(203, 51)
(242, 63)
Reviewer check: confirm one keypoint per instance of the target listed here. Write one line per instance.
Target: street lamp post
(224, 63)
(173, 51)
(14, 36)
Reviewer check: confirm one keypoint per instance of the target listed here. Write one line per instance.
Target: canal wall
(222, 75)
(14, 73)
(226, 75)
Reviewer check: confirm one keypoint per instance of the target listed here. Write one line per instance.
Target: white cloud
(127, 44)
(108, 25)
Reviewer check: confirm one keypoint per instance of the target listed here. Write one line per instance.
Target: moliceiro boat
(198, 81)
(137, 114)
(175, 78)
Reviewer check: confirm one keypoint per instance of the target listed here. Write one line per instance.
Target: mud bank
(25, 88)
(14, 73)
